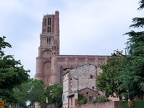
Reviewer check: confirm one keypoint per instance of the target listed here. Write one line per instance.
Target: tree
(54, 94)
(108, 80)
(133, 74)
(3, 44)
(33, 91)
(21, 94)
(37, 92)
(12, 72)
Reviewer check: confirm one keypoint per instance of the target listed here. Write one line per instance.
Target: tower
(46, 62)
(49, 63)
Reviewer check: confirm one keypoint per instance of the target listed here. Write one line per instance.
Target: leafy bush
(93, 101)
(100, 99)
(136, 104)
(82, 99)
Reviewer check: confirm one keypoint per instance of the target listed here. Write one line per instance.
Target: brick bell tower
(46, 62)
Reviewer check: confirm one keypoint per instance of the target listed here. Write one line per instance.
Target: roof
(89, 89)
(70, 95)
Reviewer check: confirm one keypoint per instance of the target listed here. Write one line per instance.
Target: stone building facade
(81, 80)
(49, 63)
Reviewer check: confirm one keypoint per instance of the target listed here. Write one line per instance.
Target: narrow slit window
(49, 21)
(47, 40)
(49, 29)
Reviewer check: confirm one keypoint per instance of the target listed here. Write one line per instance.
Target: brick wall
(112, 104)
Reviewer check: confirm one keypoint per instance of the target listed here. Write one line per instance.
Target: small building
(87, 92)
(82, 80)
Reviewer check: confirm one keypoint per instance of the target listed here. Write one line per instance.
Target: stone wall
(112, 104)
(86, 76)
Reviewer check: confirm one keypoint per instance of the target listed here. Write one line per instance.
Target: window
(48, 40)
(54, 47)
(49, 29)
(91, 76)
(49, 21)
(91, 59)
(81, 59)
(92, 87)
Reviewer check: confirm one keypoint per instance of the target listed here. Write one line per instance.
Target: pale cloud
(96, 24)
(9, 5)
(86, 26)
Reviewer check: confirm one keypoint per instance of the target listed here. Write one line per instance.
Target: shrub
(136, 104)
(93, 101)
(81, 99)
(101, 99)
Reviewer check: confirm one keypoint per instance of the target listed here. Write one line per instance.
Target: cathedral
(50, 63)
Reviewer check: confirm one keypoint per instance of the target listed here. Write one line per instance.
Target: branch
(141, 5)
(138, 22)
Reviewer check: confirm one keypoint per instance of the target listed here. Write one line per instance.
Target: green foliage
(12, 73)
(136, 104)
(7, 96)
(82, 99)
(132, 76)
(36, 91)
(3, 44)
(123, 75)
(108, 80)
(21, 93)
(101, 99)
(141, 4)
(54, 94)
(32, 90)
(93, 101)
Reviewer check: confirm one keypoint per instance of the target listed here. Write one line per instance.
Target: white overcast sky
(87, 27)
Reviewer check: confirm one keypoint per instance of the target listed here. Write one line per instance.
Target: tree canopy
(54, 94)
(125, 75)
(33, 91)
(37, 92)
(12, 72)
(108, 80)
(133, 73)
